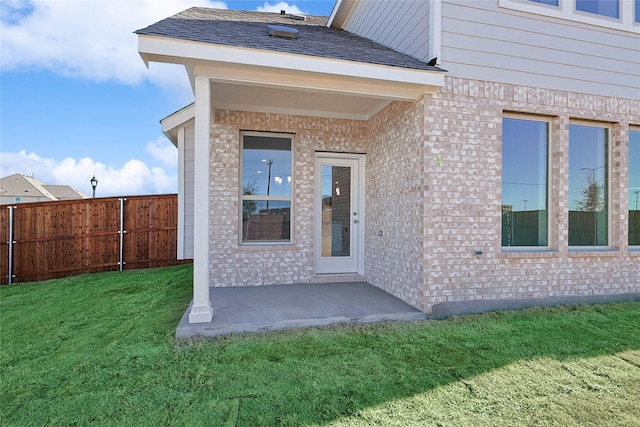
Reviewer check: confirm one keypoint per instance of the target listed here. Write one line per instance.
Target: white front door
(339, 213)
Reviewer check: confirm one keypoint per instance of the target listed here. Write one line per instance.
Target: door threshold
(338, 277)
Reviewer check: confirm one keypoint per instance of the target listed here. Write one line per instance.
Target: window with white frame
(617, 14)
(634, 187)
(266, 179)
(525, 182)
(588, 185)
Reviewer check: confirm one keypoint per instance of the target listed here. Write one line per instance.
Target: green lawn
(99, 349)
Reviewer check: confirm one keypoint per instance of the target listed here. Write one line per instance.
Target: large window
(266, 188)
(634, 187)
(524, 182)
(588, 185)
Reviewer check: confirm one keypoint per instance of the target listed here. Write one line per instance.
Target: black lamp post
(269, 163)
(94, 184)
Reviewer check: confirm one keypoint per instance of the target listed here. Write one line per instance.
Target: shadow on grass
(100, 349)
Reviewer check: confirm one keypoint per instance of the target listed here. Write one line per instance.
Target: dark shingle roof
(249, 30)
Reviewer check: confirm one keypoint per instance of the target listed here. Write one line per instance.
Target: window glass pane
(264, 220)
(588, 185)
(266, 166)
(637, 11)
(609, 8)
(634, 187)
(524, 183)
(549, 2)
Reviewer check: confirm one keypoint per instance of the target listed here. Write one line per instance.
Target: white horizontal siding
(189, 142)
(485, 42)
(402, 25)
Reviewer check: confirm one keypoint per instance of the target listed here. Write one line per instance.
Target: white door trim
(359, 203)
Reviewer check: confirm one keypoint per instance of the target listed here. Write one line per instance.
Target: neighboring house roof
(249, 30)
(18, 185)
(65, 192)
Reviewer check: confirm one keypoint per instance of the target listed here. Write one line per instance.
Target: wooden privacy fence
(56, 239)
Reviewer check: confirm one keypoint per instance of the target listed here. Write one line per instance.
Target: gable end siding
(400, 25)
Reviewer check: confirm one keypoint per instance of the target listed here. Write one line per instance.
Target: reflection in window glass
(524, 182)
(549, 2)
(610, 8)
(266, 221)
(634, 187)
(266, 165)
(588, 185)
(336, 211)
(266, 188)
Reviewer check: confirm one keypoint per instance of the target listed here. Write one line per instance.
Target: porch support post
(201, 310)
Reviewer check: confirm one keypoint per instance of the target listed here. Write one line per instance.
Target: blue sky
(76, 99)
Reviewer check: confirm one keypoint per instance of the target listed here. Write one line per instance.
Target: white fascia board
(341, 13)
(162, 49)
(309, 81)
(171, 123)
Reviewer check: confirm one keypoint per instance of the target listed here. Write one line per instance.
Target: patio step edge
(338, 278)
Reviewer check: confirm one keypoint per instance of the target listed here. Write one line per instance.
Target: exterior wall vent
(280, 31)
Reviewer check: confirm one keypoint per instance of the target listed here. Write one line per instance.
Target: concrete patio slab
(270, 308)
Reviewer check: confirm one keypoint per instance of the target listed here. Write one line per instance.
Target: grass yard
(99, 349)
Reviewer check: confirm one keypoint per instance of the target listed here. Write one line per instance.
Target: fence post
(122, 232)
(10, 242)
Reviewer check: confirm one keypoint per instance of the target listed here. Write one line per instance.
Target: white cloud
(163, 150)
(94, 40)
(133, 178)
(280, 6)
(91, 40)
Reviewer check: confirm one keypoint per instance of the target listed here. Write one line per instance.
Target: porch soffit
(270, 81)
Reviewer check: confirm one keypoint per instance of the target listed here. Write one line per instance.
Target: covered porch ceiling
(256, 80)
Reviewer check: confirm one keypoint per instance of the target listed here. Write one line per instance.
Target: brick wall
(463, 203)
(395, 190)
(433, 188)
(234, 265)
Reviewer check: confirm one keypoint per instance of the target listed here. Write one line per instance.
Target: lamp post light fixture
(94, 184)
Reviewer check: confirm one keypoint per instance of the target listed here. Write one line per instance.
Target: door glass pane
(336, 211)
